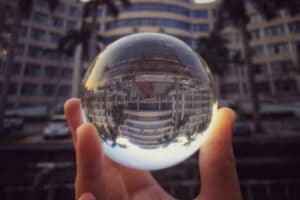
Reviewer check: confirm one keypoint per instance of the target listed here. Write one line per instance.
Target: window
(255, 34)
(35, 52)
(61, 7)
(71, 24)
(255, 18)
(100, 13)
(41, 18)
(57, 21)
(258, 51)
(13, 88)
(274, 31)
(278, 48)
(23, 31)
(40, 3)
(20, 49)
(282, 67)
(48, 90)
(229, 88)
(38, 34)
(228, 36)
(263, 87)
(294, 27)
(200, 27)
(229, 70)
(32, 70)
(29, 89)
(200, 13)
(16, 69)
(157, 7)
(64, 91)
(286, 85)
(148, 21)
(260, 69)
(74, 11)
(67, 73)
(50, 71)
(54, 37)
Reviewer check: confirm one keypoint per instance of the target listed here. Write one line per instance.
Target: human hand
(99, 178)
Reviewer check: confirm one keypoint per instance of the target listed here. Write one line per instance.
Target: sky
(203, 1)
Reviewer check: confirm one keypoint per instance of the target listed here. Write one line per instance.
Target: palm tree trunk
(2, 14)
(93, 39)
(9, 64)
(251, 80)
(78, 61)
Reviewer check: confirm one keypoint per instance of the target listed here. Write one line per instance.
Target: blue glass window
(150, 22)
(40, 18)
(157, 7)
(200, 13)
(200, 27)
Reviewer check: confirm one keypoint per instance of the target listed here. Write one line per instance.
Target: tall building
(39, 75)
(275, 43)
(275, 48)
(41, 78)
(181, 18)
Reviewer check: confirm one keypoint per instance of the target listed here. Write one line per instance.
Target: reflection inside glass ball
(151, 97)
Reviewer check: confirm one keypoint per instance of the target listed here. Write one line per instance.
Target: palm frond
(24, 7)
(52, 5)
(111, 6)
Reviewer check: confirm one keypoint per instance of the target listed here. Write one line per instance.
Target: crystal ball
(151, 98)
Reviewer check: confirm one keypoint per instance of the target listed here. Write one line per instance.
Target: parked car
(13, 122)
(57, 128)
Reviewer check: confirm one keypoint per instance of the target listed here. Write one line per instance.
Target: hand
(99, 178)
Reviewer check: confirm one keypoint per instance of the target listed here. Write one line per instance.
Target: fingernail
(87, 196)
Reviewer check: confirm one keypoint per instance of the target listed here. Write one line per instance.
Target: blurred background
(251, 46)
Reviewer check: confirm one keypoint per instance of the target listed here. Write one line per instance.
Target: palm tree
(216, 55)
(85, 39)
(234, 13)
(214, 52)
(23, 11)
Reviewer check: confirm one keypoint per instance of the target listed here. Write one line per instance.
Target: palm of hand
(107, 180)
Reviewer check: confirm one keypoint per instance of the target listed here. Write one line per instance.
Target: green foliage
(118, 114)
(73, 38)
(213, 50)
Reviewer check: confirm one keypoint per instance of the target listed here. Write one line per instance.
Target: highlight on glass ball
(151, 98)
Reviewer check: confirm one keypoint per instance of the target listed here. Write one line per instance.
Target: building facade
(43, 78)
(40, 76)
(275, 48)
(275, 43)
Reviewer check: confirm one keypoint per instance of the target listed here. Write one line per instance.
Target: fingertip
(86, 128)
(87, 131)
(227, 113)
(87, 196)
(73, 115)
(70, 104)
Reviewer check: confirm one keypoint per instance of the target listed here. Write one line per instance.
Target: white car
(57, 128)
(13, 122)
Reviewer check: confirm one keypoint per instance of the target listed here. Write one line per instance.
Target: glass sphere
(151, 97)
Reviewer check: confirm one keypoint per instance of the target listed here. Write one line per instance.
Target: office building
(41, 78)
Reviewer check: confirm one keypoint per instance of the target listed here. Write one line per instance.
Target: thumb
(218, 173)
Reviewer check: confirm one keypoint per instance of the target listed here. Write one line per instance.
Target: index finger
(73, 115)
